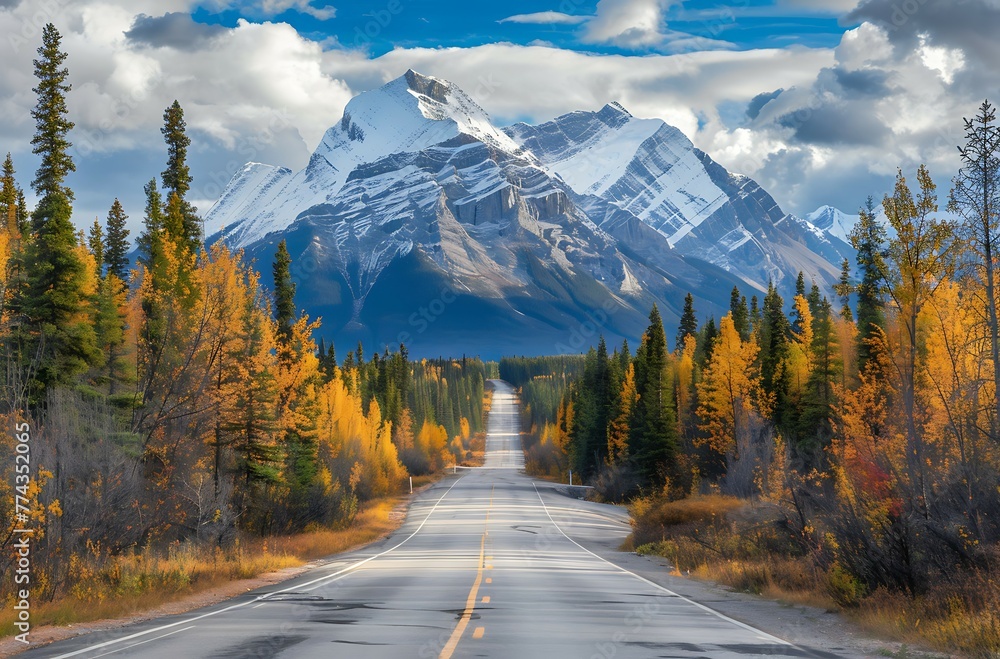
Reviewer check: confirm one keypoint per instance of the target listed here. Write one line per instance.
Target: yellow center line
(470, 602)
(479, 632)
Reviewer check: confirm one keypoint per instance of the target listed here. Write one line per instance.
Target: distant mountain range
(418, 220)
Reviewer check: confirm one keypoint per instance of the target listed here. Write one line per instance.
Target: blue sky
(820, 101)
(429, 24)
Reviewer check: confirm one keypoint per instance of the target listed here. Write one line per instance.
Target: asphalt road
(487, 564)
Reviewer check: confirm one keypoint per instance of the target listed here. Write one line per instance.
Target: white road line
(760, 634)
(256, 599)
(148, 640)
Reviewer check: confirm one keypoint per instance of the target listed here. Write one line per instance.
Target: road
(487, 564)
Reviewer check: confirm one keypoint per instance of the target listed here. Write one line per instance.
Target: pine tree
(177, 176)
(150, 241)
(741, 315)
(653, 444)
(95, 241)
(116, 242)
(55, 303)
(868, 238)
(50, 142)
(688, 323)
(843, 288)
(8, 198)
(284, 292)
(774, 335)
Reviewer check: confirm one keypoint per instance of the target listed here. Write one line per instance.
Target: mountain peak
(428, 86)
(614, 107)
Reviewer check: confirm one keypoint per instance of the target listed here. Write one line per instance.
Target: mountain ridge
(540, 230)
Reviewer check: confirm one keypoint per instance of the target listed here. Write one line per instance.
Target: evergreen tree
(688, 323)
(8, 198)
(50, 142)
(843, 289)
(150, 241)
(653, 444)
(116, 242)
(774, 335)
(177, 176)
(868, 238)
(95, 241)
(284, 293)
(63, 340)
(741, 315)
(800, 284)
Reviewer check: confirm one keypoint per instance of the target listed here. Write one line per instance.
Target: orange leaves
(729, 391)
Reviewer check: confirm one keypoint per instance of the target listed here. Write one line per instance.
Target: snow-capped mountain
(833, 221)
(418, 220)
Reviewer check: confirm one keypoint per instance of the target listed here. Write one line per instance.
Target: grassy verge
(748, 548)
(114, 587)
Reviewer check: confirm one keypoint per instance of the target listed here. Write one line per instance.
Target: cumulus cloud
(627, 23)
(839, 123)
(545, 18)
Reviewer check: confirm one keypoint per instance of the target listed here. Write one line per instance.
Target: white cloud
(271, 8)
(946, 61)
(628, 23)
(545, 18)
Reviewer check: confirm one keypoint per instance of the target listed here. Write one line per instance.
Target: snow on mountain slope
(834, 221)
(407, 115)
(642, 165)
(535, 229)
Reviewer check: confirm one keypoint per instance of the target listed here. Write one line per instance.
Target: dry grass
(728, 541)
(112, 587)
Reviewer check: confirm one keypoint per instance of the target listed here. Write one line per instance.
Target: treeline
(542, 383)
(872, 419)
(179, 400)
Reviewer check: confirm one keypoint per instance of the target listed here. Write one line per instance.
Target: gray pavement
(488, 564)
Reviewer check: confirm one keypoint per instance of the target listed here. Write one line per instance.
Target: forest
(185, 403)
(859, 435)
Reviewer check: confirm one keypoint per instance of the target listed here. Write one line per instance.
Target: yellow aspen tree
(729, 389)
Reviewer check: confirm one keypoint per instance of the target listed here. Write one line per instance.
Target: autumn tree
(919, 258)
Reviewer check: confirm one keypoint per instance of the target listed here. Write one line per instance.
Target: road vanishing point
(488, 563)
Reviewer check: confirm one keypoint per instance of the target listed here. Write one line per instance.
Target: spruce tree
(8, 197)
(64, 343)
(653, 443)
(150, 241)
(52, 127)
(95, 241)
(843, 288)
(869, 239)
(116, 242)
(688, 323)
(284, 293)
(774, 335)
(177, 176)
(741, 315)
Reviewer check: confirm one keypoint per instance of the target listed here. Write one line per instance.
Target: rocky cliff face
(418, 220)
